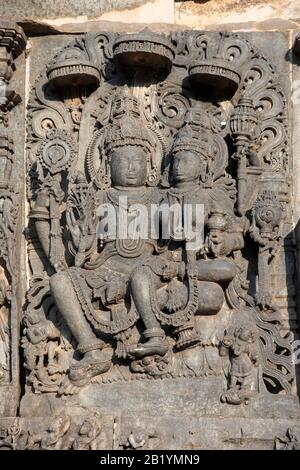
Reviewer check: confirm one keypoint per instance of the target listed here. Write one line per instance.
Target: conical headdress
(127, 127)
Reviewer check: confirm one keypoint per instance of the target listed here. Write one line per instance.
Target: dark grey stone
(146, 343)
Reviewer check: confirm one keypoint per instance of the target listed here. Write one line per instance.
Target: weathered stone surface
(177, 397)
(36, 28)
(272, 14)
(147, 342)
(159, 13)
(127, 432)
(12, 185)
(62, 8)
(115, 16)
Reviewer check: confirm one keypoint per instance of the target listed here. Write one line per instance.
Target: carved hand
(115, 291)
(43, 199)
(254, 358)
(264, 300)
(226, 344)
(82, 232)
(169, 272)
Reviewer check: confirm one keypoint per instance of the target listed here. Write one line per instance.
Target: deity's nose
(179, 167)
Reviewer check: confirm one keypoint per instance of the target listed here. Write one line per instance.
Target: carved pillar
(12, 43)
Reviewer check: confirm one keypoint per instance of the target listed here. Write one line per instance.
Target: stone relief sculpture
(4, 334)
(129, 128)
(12, 43)
(141, 301)
(289, 442)
(145, 301)
(60, 433)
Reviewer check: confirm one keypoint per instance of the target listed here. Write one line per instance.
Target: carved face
(187, 167)
(128, 166)
(239, 347)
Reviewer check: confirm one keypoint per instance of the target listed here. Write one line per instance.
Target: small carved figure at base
(243, 371)
(291, 441)
(53, 438)
(88, 434)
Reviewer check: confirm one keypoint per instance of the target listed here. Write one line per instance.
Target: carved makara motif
(146, 125)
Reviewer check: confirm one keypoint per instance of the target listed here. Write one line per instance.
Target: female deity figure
(187, 279)
(93, 296)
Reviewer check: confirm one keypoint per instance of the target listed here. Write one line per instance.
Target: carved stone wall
(12, 187)
(110, 341)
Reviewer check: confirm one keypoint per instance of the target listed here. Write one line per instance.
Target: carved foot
(94, 363)
(153, 365)
(236, 397)
(154, 346)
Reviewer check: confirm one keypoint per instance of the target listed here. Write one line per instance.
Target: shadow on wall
(292, 260)
(292, 246)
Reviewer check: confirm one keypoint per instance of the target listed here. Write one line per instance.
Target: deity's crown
(127, 127)
(217, 221)
(194, 138)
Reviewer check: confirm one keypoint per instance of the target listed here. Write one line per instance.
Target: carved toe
(142, 350)
(81, 372)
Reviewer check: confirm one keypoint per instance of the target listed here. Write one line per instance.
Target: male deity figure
(93, 295)
(198, 176)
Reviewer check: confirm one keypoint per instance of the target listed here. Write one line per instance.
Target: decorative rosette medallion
(57, 151)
